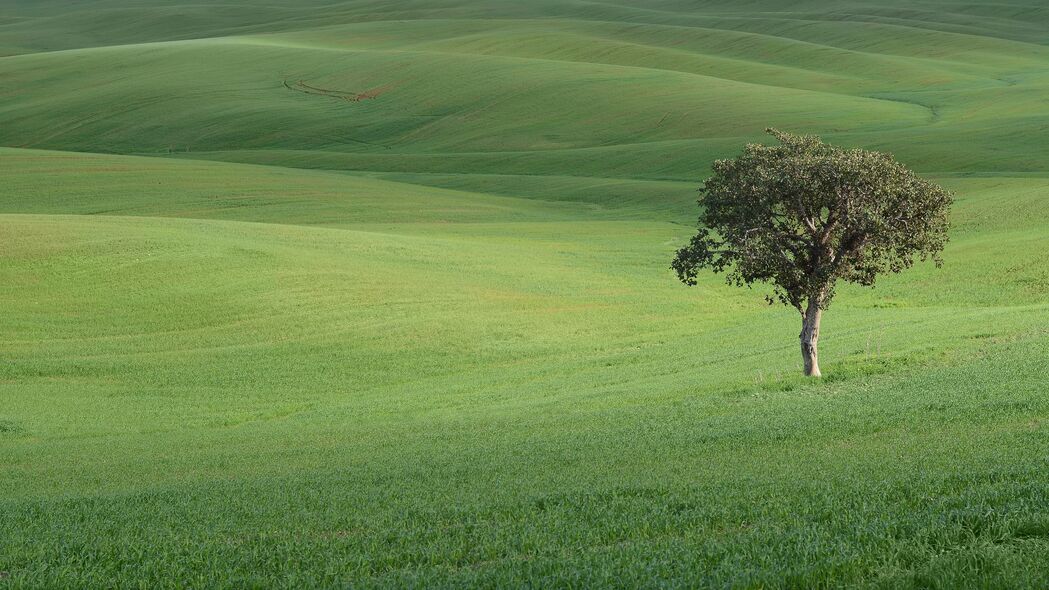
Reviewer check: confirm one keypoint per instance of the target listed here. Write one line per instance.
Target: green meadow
(354, 294)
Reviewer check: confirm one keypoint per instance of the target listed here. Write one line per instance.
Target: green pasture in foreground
(254, 334)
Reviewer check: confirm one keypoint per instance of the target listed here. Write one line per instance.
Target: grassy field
(376, 294)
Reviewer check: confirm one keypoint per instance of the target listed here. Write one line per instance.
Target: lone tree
(803, 214)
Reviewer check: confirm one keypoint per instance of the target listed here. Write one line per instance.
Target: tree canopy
(804, 214)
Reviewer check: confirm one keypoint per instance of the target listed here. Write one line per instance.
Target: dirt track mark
(302, 86)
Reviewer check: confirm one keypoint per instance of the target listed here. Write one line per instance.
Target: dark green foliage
(803, 214)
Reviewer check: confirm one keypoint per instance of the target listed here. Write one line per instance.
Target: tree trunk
(810, 335)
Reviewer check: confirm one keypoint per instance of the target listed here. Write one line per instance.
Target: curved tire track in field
(371, 93)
